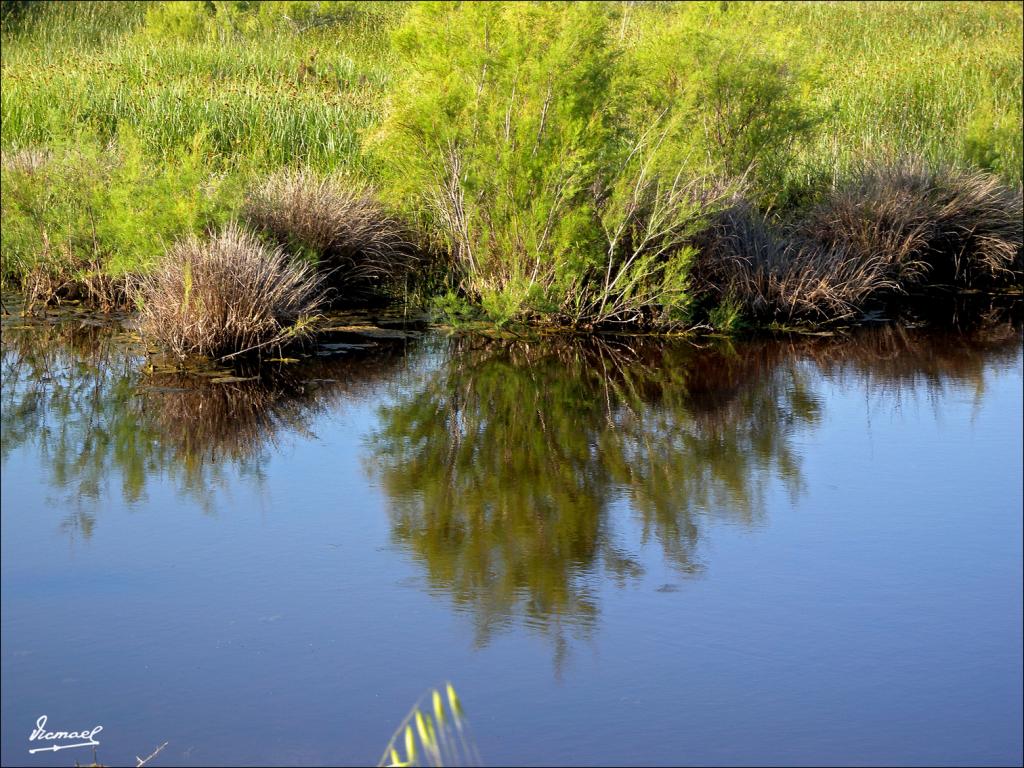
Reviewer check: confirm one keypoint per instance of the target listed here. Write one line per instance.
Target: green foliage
(727, 316)
(735, 97)
(561, 154)
(450, 307)
(516, 131)
(492, 120)
(227, 20)
(87, 208)
(989, 141)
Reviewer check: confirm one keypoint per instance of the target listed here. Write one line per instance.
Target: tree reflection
(509, 465)
(502, 464)
(69, 388)
(514, 470)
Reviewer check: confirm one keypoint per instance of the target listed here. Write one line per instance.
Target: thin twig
(142, 761)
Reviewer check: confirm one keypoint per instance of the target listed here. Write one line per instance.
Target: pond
(619, 551)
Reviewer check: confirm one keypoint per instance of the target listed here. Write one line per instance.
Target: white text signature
(85, 738)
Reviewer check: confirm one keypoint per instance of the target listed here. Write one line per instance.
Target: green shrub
(79, 214)
(727, 317)
(732, 86)
(518, 142)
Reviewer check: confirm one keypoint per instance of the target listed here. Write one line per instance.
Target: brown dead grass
(929, 225)
(745, 260)
(359, 245)
(228, 295)
(894, 228)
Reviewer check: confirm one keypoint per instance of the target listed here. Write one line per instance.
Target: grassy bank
(665, 165)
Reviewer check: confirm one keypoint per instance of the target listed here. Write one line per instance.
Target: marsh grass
(26, 160)
(514, 137)
(358, 245)
(746, 262)
(83, 220)
(925, 225)
(263, 91)
(892, 229)
(228, 295)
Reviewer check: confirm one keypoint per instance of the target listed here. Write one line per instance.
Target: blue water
(774, 553)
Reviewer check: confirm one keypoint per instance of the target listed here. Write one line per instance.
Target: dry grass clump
(228, 295)
(895, 228)
(770, 276)
(929, 225)
(357, 242)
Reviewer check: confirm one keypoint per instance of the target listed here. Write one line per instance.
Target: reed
(357, 243)
(433, 734)
(924, 224)
(227, 296)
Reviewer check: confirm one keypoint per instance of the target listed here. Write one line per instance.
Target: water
(780, 552)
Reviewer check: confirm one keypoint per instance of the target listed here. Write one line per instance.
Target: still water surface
(777, 552)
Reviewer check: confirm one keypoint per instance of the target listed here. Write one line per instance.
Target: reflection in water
(503, 464)
(513, 470)
(78, 389)
(894, 363)
(69, 387)
(213, 423)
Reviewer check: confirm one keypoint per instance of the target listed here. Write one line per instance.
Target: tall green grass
(555, 113)
(942, 80)
(288, 81)
(152, 118)
(260, 96)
